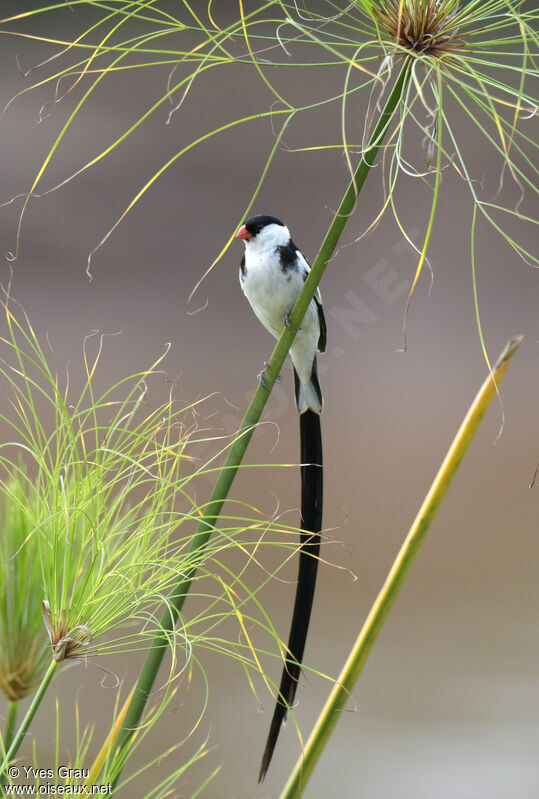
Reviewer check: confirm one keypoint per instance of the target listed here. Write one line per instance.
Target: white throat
(267, 240)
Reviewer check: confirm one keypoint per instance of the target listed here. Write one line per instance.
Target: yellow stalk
(108, 744)
(346, 680)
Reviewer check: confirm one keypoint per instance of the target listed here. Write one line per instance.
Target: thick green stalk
(346, 680)
(30, 713)
(254, 411)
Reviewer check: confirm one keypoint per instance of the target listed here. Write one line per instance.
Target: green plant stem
(254, 411)
(11, 721)
(346, 680)
(30, 713)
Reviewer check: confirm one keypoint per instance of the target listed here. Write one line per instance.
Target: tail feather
(308, 395)
(311, 521)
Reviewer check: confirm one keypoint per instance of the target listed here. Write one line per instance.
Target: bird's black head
(255, 224)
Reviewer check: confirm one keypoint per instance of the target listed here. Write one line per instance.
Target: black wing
(322, 341)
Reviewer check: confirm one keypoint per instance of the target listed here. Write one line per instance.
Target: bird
(272, 273)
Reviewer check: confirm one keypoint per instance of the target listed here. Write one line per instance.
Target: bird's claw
(261, 374)
(288, 324)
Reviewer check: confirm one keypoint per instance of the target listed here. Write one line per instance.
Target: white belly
(272, 293)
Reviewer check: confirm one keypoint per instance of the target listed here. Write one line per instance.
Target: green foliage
(76, 770)
(474, 58)
(101, 500)
(99, 521)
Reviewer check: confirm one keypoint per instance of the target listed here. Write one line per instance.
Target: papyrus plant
(72, 769)
(99, 515)
(470, 64)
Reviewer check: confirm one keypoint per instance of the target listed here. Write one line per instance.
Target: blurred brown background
(447, 704)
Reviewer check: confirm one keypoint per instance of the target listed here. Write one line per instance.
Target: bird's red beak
(243, 233)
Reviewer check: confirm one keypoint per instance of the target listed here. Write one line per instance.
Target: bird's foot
(288, 324)
(261, 374)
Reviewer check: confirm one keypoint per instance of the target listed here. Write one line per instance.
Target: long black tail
(312, 489)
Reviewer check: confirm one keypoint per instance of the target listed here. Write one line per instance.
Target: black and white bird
(272, 274)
